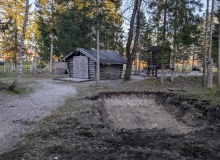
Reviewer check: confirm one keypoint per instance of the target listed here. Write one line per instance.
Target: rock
(185, 105)
(94, 133)
(154, 126)
(88, 133)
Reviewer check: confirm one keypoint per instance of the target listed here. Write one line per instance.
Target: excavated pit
(131, 112)
(172, 112)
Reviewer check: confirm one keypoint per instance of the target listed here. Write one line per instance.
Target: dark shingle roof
(106, 56)
(155, 49)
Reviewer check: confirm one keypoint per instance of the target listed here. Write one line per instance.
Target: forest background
(71, 24)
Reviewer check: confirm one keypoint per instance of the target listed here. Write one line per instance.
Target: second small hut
(154, 60)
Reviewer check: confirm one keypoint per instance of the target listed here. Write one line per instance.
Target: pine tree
(75, 25)
(145, 37)
(182, 25)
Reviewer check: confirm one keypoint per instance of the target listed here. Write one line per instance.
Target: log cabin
(82, 64)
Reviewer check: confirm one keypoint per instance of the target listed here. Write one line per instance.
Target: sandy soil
(19, 113)
(142, 113)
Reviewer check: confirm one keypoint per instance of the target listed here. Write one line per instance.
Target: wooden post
(97, 45)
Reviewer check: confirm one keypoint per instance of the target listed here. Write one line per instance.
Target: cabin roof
(106, 56)
(155, 49)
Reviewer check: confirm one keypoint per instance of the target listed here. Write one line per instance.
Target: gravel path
(19, 113)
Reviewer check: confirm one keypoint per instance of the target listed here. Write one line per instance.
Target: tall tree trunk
(21, 48)
(174, 42)
(51, 55)
(137, 31)
(205, 47)
(52, 38)
(164, 38)
(129, 41)
(97, 48)
(218, 67)
(209, 73)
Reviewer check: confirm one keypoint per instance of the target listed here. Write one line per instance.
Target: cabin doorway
(80, 67)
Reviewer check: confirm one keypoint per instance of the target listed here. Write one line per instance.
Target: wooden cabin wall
(106, 71)
(110, 72)
(92, 70)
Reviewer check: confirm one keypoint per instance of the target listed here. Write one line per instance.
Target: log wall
(112, 71)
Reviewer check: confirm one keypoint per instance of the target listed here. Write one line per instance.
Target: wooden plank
(80, 67)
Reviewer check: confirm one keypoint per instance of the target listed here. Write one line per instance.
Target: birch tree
(21, 48)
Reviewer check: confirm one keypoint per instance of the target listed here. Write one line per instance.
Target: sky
(32, 2)
(125, 3)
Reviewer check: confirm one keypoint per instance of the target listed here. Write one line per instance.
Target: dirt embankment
(129, 126)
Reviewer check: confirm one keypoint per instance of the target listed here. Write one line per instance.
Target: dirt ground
(117, 125)
(142, 113)
(18, 113)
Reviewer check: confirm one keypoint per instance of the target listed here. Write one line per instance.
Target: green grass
(206, 94)
(7, 78)
(19, 90)
(6, 74)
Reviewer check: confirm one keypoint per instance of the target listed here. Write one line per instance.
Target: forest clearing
(109, 79)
